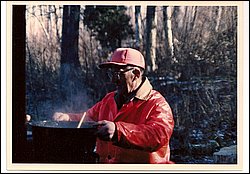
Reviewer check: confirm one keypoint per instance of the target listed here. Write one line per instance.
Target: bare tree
(150, 60)
(138, 34)
(69, 57)
(168, 31)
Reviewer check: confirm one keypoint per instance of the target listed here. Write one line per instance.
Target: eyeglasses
(111, 73)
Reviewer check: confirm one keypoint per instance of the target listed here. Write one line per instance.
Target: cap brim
(109, 64)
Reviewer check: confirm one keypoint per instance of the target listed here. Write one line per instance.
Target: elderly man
(136, 122)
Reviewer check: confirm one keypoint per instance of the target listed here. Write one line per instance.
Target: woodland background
(191, 58)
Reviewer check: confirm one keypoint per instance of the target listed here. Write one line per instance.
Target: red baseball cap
(125, 56)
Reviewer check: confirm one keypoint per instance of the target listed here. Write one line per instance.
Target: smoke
(70, 96)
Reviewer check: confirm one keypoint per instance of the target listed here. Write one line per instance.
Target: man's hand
(59, 116)
(106, 130)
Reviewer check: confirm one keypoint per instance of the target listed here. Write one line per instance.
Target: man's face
(122, 77)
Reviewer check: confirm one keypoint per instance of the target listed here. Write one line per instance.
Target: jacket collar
(144, 91)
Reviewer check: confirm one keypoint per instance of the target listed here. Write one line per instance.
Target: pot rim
(63, 124)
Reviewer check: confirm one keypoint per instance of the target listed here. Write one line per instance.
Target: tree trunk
(70, 63)
(154, 37)
(150, 60)
(56, 25)
(138, 35)
(168, 31)
(218, 18)
(70, 34)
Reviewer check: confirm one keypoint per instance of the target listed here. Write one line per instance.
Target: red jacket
(144, 127)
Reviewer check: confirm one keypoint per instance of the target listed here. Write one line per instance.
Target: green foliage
(109, 24)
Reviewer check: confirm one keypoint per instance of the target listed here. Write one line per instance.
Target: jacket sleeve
(152, 135)
(93, 112)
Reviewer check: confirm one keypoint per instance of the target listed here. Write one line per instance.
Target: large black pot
(63, 142)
